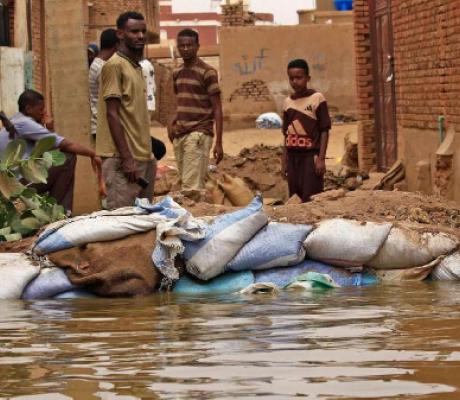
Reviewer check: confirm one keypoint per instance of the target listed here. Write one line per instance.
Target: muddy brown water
(382, 342)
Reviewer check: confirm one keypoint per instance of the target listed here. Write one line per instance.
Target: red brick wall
(365, 101)
(11, 21)
(427, 61)
(427, 67)
(37, 43)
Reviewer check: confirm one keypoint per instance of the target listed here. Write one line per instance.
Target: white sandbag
(407, 248)
(49, 283)
(346, 243)
(207, 258)
(448, 269)
(104, 226)
(407, 274)
(276, 245)
(16, 271)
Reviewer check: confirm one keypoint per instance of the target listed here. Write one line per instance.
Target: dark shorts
(301, 175)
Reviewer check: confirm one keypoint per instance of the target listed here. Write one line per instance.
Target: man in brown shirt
(123, 136)
(198, 107)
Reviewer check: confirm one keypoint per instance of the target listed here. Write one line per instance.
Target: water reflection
(382, 342)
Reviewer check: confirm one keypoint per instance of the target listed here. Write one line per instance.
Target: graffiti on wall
(249, 66)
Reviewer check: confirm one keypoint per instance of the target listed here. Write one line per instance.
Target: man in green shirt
(123, 135)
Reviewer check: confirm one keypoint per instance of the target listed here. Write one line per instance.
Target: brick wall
(104, 13)
(365, 101)
(11, 21)
(38, 45)
(427, 67)
(427, 61)
(235, 15)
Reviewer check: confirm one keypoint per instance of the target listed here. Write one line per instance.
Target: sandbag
(269, 120)
(48, 283)
(407, 248)
(224, 238)
(236, 190)
(166, 216)
(448, 269)
(75, 294)
(346, 243)
(16, 271)
(215, 195)
(276, 245)
(284, 276)
(120, 268)
(230, 282)
(409, 274)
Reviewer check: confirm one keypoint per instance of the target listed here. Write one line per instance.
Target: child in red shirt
(306, 125)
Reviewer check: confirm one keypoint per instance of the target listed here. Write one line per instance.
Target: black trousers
(301, 176)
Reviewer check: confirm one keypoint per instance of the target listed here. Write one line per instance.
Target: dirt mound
(425, 211)
(260, 168)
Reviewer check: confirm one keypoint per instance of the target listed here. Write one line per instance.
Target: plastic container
(343, 5)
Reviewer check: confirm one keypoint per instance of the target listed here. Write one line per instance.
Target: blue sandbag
(230, 282)
(75, 294)
(48, 283)
(286, 275)
(224, 238)
(276, 245)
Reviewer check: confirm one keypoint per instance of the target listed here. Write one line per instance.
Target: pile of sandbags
(138, 250)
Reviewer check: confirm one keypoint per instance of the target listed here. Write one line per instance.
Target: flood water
(383, 342)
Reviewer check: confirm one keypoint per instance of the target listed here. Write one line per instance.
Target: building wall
(253, 73)
(103, 14)
(427, 79)
(365, 101)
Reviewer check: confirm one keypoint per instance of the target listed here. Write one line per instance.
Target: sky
(284, 11)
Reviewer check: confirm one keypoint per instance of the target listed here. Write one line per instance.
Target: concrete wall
(66, 57)
(11, 78)
(253, 66)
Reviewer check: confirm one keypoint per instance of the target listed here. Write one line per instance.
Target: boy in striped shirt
(306, 125)
(198, 108)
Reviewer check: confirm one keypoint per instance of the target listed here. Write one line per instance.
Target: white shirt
(149, 76)
(93, 77)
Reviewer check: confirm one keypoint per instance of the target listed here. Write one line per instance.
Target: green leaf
(13, 152)
(29, 193)
(48, 159)
(32, 202)
(10, 186)
(57, 213)
(5, 231)
(34, 171)
(13, 237)
(58, 157)
(31, 223)
(42, 215)
(45, 144)
(17, 227)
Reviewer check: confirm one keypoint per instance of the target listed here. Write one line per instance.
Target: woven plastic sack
(16, 271)
(448, 269)
(230, 282)
(407, 248)
(276, 245)
(48, 283)
(207, 258)
(346, 243)
(269, 120)
(285, 276)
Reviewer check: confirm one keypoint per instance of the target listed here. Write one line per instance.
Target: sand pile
(423, 210)
(260, 169)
